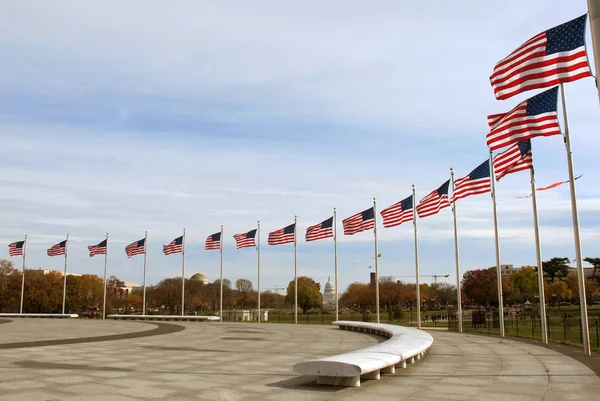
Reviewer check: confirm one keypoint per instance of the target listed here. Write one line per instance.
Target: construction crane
(435, 276)
(276, 288)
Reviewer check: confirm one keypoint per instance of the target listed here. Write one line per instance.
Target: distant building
(44, 272)
(199, 277)
(507, 270)
(329, 293)
(245, 315)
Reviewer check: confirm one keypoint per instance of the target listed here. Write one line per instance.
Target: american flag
(516, 158)
(398, 213)
(175, 246)
(476, 182)
(99, 249)
(58, 249)
(283, 236)
(360, 221)
(245, 240)
(136, 248)
(434, 202)
(16, 248)
(549, 58)
(213, 242)
(320, 231)
(533, 117)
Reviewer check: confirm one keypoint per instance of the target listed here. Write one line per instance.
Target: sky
(123, 117)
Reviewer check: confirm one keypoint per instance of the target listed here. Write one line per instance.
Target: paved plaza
(44, 359)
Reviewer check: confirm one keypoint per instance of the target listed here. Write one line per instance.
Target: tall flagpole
(221, 284)
(23, 276)
(456, 261)
(105, 264)
(497, 245)
(335, 259)
(416, 259)
(65, 276)
(578, 254)
(144, 297)
(258, 264)
(183, 273)
(376, 259)
(538, 255)
(295, 270)
(594, 15)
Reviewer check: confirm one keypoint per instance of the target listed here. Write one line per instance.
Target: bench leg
(339, 381)
(401, 365)
(389, 370)
(411, 360)
(418, 357)
(375, 375)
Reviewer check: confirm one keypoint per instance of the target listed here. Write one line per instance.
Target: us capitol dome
(329, 293)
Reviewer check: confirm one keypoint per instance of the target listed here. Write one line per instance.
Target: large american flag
(474, 183)
(549, 58)
(360, 221)
(16, 248)
(435, 201)
(533, 117)
(398, 213)
(320, 231)
(283, 235)
(516, 158)
(213, 242)
(99, 249)
(136, 248)
(175, 246)
(245, 240)
(58, 249)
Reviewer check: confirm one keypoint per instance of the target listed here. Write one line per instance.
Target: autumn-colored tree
(10, 287)
(481, 286)
(359, 296)
(558, 291)
(445, 294)
(309, 293)
(43, 292)
(556, 268)
(596, 263)
(244, 288)
(84, 293)
(591, 287)
(526, 281)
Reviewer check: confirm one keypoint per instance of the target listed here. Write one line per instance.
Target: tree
(10, 287)
(244, 288)
(309, 293)
(481, 285)
(526, 281)
(558, 292)
(360, 296)
(556, 268)
(445, 293)
(596, 263)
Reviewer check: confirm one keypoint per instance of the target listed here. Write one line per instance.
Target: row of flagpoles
(551, 58)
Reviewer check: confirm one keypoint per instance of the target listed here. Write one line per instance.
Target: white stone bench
(49, 315)
(404, 345)
(165, 318)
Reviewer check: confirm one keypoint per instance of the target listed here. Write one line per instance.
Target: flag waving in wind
(552, 57)
(136, 248)
(320, 231)
(213, 242)
(475, 183)
(533, 117)
(99, 249)
(360, 221)
(516, 158)
(175, 246)
(58, 249)
(16, 248)
(283, 235)
(434, 202)
(245, 240)
(398, 213)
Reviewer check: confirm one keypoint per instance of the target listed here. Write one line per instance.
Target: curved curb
(163, 328)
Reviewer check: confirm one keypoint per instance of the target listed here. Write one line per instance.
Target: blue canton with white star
(567, 36)
(407, 203)
(545, 102)
(482, 171)
(524, 146)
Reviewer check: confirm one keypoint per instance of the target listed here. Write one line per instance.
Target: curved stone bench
(40, 315)
(403, 346)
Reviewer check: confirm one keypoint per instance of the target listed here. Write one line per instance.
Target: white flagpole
(258, 264)
(65, 276)
(594, 15)
(416, 259)
(23, 276)
(497, 245)
(105, 264)
(221, 283)
(376, 259)
(456, 261)
(183, 274)
(335, 258)
(578, 254)
(144, 296)
(295, 270)
(538, 255)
